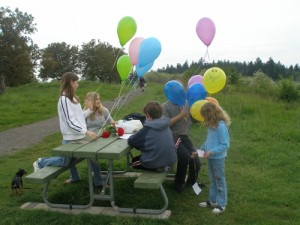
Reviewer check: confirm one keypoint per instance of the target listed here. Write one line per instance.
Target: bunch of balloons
(198, 87)
(142, 51)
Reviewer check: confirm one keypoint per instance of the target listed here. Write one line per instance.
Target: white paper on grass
(196, 188)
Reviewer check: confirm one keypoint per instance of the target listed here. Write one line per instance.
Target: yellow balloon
(214, 80)
(195, 110)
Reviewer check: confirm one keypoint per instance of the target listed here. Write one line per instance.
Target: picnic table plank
(115, 150)
(90, 150)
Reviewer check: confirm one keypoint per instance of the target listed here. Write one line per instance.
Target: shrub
(263, 85)
(288, 90)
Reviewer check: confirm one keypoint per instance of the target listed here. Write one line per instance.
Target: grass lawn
(262, 167)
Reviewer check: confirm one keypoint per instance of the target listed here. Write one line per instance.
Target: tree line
(22, 61)
(273, 70)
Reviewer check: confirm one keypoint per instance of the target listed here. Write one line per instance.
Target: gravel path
(20, 138)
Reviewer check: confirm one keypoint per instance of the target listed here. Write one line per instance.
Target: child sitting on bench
(154, 140)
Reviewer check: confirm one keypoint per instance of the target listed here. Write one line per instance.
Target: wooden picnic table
(112, 148)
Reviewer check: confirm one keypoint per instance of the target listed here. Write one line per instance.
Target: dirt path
(19, 138)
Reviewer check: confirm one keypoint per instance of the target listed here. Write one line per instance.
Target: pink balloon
(206, 30)
(134, 50)
(195, 79)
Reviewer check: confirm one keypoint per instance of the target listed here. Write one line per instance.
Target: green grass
(262, 170)
(35, 102)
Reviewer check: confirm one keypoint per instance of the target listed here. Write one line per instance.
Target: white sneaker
(207, 204)
(36, 166)
(218, 210)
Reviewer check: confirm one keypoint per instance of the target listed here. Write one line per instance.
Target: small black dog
(17, 182)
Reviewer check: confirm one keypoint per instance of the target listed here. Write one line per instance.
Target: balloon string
(206, 54)
(112, 108)
(131, 90)
(202, 61)
(115, 60)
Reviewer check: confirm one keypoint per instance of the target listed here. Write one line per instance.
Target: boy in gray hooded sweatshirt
(154, 140)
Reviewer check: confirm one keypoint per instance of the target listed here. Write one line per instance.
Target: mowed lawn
(262, 167)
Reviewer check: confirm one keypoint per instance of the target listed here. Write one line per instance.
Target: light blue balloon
(196, 92)
(149, 50)
(140, 71)
(175, 93)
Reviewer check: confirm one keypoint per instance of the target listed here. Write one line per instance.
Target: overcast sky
(245, 29)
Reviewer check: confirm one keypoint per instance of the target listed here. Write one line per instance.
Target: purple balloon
(206, 30)
(195, 79)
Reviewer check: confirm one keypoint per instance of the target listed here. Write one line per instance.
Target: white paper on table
(200, 153)
(125, 136)
(196, 188)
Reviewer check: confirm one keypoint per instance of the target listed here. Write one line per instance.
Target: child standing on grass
(215, 150)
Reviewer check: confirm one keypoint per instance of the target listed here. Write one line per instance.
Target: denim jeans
(97, 172)
(70, 161)
(74, 172)
(54, 161)
(61, 161)
(218, 188)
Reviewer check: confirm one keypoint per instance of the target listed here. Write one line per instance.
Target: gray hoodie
(156, 143)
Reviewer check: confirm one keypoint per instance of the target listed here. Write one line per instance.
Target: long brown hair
(212, 114)
(93, 96)
(66, 88)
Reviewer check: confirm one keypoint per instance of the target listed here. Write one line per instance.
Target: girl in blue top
(215, 150)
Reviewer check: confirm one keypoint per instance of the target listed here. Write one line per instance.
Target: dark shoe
(179, 187)
(189, 183)
(100, 187)
(208, 204)
(201, 185)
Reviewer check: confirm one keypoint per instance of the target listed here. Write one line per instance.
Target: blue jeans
(97, 172)
(71, 161)
(218, 188)
(61, 161)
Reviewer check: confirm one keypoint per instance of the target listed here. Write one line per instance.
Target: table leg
(70, 206)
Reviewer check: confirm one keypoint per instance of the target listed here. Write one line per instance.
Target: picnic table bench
(111, 149)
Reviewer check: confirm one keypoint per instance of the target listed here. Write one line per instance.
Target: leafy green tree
(232, 75)
(57, 59)
(18, 53)
(98, 61)
(287, 90)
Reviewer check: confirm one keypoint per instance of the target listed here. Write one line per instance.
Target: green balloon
(126, 29)
(124, 67)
